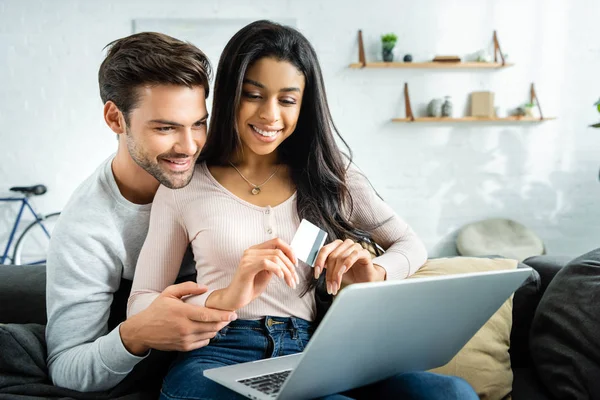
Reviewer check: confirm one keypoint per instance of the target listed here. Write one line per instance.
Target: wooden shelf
(473, 119)
(499, 61)
(433, 65)
(410, 117)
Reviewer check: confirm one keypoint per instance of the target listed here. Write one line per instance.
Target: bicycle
(31, 245)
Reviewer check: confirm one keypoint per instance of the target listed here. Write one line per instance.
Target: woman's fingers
(272, 260)
(277, 243)
(320, 261)
(287, 267)
(353, 257)
(267, 264)
(288, 263)
(335, 263)
(288, 271)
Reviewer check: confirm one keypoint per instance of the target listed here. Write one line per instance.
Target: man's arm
(83, 273)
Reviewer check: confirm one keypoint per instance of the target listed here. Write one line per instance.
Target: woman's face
(270, 104)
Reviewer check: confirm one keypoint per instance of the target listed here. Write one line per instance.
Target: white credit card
(307, 242)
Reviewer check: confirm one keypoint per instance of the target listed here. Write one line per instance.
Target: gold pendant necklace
(255, 188)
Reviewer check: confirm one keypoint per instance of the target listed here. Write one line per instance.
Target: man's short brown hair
(149, 58)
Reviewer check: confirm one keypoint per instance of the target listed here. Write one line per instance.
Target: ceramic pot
(447, 107)
(434, 109)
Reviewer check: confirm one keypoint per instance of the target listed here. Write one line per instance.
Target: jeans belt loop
(294, 328)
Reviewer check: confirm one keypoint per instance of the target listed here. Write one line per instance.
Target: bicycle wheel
(32, 246)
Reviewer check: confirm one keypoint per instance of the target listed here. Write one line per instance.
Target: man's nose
(186, 143)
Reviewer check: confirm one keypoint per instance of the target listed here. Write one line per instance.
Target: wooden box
(482, 104)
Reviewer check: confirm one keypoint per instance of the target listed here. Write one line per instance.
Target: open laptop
(376, 330)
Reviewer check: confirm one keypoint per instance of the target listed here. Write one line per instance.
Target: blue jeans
(243, 341)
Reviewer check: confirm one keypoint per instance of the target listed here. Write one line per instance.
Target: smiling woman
(270, 105)
(270, 160)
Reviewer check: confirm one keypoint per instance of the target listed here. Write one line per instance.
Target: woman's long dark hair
(318, 167)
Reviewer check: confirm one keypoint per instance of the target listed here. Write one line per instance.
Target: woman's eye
(288, 101)
(251, 96)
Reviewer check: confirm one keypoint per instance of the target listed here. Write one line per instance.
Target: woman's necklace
(255, 188)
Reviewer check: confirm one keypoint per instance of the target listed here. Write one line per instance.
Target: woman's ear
(114, 118)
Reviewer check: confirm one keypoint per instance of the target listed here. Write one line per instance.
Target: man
(154, 90)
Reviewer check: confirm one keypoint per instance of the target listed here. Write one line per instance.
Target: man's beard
(153, 168)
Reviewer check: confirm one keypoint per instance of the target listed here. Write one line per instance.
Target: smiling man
(154, 90)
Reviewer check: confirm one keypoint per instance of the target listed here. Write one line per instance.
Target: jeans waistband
(274, 324)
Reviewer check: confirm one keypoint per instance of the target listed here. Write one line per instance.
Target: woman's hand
(346, 261)
(258, 264)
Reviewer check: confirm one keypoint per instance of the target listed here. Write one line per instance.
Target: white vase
(529, 112)
(434, 109)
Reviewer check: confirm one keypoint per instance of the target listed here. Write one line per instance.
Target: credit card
(307, 242)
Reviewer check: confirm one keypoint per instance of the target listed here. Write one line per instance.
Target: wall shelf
(499, 61)
(433, 65)
(410, 117)
(473, 119)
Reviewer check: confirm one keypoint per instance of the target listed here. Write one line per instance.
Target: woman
(271, 160)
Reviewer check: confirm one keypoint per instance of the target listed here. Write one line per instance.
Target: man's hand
(170, 324)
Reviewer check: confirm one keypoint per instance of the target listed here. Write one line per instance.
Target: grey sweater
(95, 243)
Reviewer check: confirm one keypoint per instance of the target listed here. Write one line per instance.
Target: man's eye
(164, 128)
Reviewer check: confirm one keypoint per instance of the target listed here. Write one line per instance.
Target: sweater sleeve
(82, 275)
(161, 255)
(404, 253)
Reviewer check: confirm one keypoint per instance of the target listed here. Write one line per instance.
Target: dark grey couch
(22, 301)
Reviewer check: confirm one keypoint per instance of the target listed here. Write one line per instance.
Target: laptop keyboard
(268, 384)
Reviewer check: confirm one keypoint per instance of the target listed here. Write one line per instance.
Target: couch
(22, 301)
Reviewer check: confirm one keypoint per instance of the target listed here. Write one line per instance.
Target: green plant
(597, 107)
(388, 41)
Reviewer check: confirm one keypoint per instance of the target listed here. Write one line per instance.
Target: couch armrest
(23, 294)
(525, 302)
(547, 267)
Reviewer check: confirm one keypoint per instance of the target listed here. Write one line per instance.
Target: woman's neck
(255, 162)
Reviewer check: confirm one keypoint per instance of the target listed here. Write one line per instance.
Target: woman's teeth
(265, 133)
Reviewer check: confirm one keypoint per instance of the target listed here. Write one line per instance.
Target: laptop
(376, 330)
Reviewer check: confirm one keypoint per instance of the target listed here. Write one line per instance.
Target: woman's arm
(405, 253)
(160, 258)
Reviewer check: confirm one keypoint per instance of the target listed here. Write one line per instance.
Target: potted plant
(388, 42)
(598, 107)
(528, 107)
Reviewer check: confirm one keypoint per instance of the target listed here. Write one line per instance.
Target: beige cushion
(484, 361)
(498, 236)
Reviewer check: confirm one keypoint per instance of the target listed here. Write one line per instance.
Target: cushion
(23, 294)
(498, 236)
(564, 342)
(484, 361)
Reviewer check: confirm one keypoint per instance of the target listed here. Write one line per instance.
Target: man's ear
(114, 118)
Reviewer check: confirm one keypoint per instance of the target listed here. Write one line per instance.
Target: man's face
(166, 132)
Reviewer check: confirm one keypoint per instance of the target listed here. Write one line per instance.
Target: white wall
(438, 177)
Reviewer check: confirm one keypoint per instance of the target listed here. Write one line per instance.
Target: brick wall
(438, 177)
